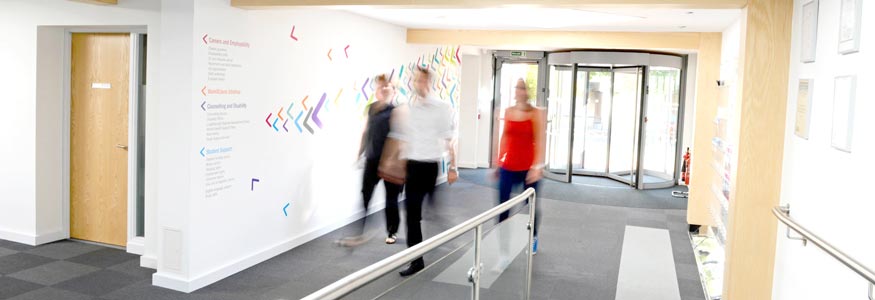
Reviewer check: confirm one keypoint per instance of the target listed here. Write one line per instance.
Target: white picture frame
(851, 14)
(843, 112)
(809, 31)
(804, 101)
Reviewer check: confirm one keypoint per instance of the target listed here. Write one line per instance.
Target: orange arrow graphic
(203, 90)
(304, 102)
(329, 54)
(280, 113)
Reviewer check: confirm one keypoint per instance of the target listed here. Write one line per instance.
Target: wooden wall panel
(752, 230)
(700, 201)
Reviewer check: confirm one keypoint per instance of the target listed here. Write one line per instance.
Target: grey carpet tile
(104, 258)
(98, 283)
(49, 293)
(15, 246)
(691, 288)
(54, 272)
(133, 268)
(11, 287)
(20, 261)
(64, 249)
(244, 284)
(5, 252)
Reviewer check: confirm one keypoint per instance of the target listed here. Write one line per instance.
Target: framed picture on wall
(803, 107)
(849, 26)
(809, 31)
(843, 112)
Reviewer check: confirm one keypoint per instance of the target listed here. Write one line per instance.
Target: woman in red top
(521, 152)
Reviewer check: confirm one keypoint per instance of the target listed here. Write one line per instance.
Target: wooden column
(708, 72)
(765, 61)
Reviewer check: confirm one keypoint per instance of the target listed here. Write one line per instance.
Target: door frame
(500, 57)
(135, 244)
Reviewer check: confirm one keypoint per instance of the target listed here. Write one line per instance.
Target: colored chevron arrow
(284, 209)
(203, 90)
(452, 90)
(363, 88)
(292, 35)
(392, 74)
(304, 102)
(279, 113)
(202, 151)
(316, 112)
(307, 118)
(202, 105)
(403, 91)
(268, 118)
(329, 54)
(358, 97)
(345, 51)
(205, 39)
(338, 95)
(401, 72)
(457, 55)
(288, 111)
(274, 125)
(298, 124)
(252, 186)
(284, 125)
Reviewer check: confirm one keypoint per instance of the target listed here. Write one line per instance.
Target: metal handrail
(356, 280)
(783, 214)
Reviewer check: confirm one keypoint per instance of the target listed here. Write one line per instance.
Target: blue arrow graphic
(202, 151)
(274, 125)
(252, 187)
(288, 111)
(284, 209)
(298, 124)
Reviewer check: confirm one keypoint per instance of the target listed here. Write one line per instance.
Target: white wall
(32, 118)
(314, 174)
(829, 191)
(484, 109)
(468, 122)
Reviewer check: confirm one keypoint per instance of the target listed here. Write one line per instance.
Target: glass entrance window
(660, 135)
(510, 73)
(592, 120)
(559, 112)
(624, 124)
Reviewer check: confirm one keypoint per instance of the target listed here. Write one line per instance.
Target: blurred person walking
(373, 141)
(520, 157)
(426, 126)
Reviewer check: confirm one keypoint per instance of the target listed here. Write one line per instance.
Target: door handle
(120, 146)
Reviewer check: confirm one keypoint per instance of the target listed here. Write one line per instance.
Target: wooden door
(99, 92)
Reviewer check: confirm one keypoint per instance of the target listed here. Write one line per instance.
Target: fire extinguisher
(685, 169)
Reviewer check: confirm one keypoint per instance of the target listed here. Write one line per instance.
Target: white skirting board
(33, 240)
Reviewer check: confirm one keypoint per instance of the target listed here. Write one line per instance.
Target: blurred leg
(392, 218)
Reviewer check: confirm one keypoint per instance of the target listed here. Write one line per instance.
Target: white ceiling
(560, 19)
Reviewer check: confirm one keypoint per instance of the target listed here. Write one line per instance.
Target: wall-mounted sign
(803, 107)
(518, 53)
(843, 112)
(849, 26)
(101, 85)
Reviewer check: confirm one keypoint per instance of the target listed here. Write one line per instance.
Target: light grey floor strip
(647, 268)
(513, 231)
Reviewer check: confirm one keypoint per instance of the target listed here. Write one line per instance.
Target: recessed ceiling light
(682, 27)
(690, 12)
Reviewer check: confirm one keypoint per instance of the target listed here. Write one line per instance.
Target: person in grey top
(426, 125)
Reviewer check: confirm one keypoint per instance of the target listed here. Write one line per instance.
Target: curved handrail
(373, 272)
(783, 215)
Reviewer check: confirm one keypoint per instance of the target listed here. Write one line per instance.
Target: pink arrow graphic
(457, 55)
(205, 39)
(345, 51)
(268, 119)
(203, 90)
(292, 35)
(329, 54)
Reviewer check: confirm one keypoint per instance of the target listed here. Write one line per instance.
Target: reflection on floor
(579, 257)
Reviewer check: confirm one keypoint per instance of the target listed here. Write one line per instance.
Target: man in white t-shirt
(427, 128)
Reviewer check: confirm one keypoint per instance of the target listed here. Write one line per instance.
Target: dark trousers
(507, 180)
(369, 183)
(421, 179)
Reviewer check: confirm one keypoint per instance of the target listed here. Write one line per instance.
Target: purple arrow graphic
(363, 88)
(202, 105)
(284, 125)
(316, 112)
(254, 180)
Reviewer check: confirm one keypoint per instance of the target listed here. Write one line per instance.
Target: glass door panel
(508, 76)
(560, 107)
(622, 162)
(660, 130)
(593, 109)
